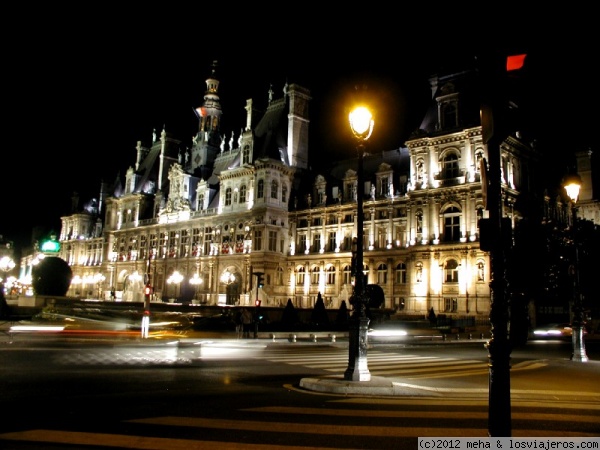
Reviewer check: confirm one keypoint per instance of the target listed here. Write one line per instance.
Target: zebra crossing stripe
(390, 364)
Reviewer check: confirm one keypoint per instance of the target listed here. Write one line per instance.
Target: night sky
(80, 93)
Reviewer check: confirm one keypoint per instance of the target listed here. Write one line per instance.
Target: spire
(210, 112)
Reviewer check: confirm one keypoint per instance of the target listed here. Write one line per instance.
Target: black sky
(80, 94)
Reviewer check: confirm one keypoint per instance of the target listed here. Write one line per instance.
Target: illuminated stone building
(235, 204)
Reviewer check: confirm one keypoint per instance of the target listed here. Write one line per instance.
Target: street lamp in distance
(361, 124)
(175, 278)
(196, 281)
(6, 265)
(572, 185)
(228, 278)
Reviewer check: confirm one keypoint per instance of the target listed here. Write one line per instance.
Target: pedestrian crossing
(388, 364)
(345, 422)
(340, 424)
(334, 360)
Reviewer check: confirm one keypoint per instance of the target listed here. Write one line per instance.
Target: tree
(319, 317)
(52, 276)
(343, 316)
(289, 318)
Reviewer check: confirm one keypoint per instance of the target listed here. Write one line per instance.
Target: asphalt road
(99, 392)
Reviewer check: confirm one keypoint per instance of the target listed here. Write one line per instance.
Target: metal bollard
(481, 337)
(292, 338)
(457, 336)
(273, 337)
(313, 337)
(470, 336)
(332, 337)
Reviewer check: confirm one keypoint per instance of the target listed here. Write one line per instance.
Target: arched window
(452, 224)
(451, 271)
(314, 275)
(200, 202)
(449, 118)
(382, 274)
(330, 273)
(347, 275)
(260, 189)
(401, 273)
(246, 155)
(450, 167)
(228, 197)
(274, 188)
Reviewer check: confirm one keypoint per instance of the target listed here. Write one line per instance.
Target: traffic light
(147, 290)
(257, 302)
(502, 89)
(259, 280)
(515, 62)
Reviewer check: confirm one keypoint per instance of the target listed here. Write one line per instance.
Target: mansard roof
(398, 160)
(462, 86)
(270, 134)
(148, 169)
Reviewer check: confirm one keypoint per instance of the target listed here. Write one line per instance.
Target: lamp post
(361, 123)
(99, 279)
(227, 278)
(572, 184)
(6, 265)
(196, 281)
(77, 280)
(175, 278)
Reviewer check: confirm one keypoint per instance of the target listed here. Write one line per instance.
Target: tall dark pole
(361, 123)
(358, 369)
(499, 422)
(493, 116)
(572, 184)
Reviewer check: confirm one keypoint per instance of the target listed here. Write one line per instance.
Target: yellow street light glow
(361, 122)
(572, 184)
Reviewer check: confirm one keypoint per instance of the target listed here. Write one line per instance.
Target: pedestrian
(432, 318)
(4, 308)
(239, 326)
(246, 322)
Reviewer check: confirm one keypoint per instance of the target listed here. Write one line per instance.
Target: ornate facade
(229, 207)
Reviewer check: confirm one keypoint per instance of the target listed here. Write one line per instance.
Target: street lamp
(175, 278)
(99, 279)
(227, 278)
(361, 124)
(196, 281)
(572, 184)
(77, 281)
(6, 265)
